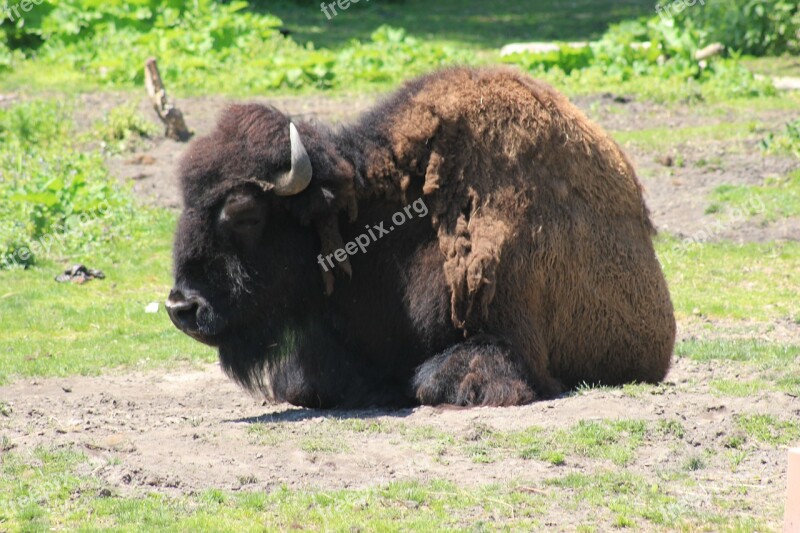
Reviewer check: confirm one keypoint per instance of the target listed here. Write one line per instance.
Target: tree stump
(170, 115)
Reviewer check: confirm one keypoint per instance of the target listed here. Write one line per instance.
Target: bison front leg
(479, 371)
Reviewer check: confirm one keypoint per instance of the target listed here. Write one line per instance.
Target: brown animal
(532, 271)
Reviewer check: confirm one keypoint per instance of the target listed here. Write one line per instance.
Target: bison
(524, 265)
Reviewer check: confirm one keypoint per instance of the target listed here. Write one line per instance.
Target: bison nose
(183, 310)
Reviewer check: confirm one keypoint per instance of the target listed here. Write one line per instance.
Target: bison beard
(534, 271)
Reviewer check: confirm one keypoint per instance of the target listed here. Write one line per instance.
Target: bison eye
(243, 215)
(247, 223)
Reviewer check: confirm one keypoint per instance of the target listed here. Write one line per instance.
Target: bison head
(245, 248)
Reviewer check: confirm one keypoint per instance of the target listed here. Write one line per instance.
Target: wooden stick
(709, 51)
(171, 116)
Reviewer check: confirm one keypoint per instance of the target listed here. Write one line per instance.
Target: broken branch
(170, 115)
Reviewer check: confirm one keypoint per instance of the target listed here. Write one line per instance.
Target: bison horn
(297, 179)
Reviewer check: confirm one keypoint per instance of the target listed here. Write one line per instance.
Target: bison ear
(299, 176)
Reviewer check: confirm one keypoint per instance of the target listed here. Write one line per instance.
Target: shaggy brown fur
(538, 237)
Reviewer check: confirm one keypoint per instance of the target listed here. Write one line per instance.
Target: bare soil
(186, 430)
(678, 177)
(190, 429)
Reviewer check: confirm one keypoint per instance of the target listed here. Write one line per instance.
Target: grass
(770, 366)
(45, 490)
(787, 65)
(52, 329)
(325, 444)
(369, 47)
(55, 329)
(608, 440)
(741, 388)
(769, 430)
(784, 101)
(102, 324)
(751, 281)
(742, 351)
(671, 427)
(775, 199)
(60, 207)
(652, 139)
(123, 129)
(330, 434)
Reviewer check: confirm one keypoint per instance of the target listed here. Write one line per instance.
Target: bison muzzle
(533, 270)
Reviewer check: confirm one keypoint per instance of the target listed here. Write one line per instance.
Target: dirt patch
(678, 177)
(180, 432)
(785, 332)
(678, 194)
(679, 197)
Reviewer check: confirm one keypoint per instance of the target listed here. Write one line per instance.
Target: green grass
(43, 492)
(60, 207)
(56, 329)
(632, 390)
(785, 142)
(609, 440)
(330, 434)
(777, 198)
(760, 367)
(726, 280)
(769, 430)
(102, 324)
(772, 366)
(123, 129)
(326, 444)
(46, 490)
(51, 329)
(741, 388)
(613, 441)
(783, 101)
(671, 427)
(370, 47)
(652, 139)
(627, 500)
(468, 23)
(741, 351)
(786, 65)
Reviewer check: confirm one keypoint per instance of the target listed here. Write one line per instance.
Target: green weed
(85, 45)
(786, 142)
(54, 199)
(123, 129)
(769, 430)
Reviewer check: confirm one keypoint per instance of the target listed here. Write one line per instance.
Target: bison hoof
(477, 372)
(475, 390)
